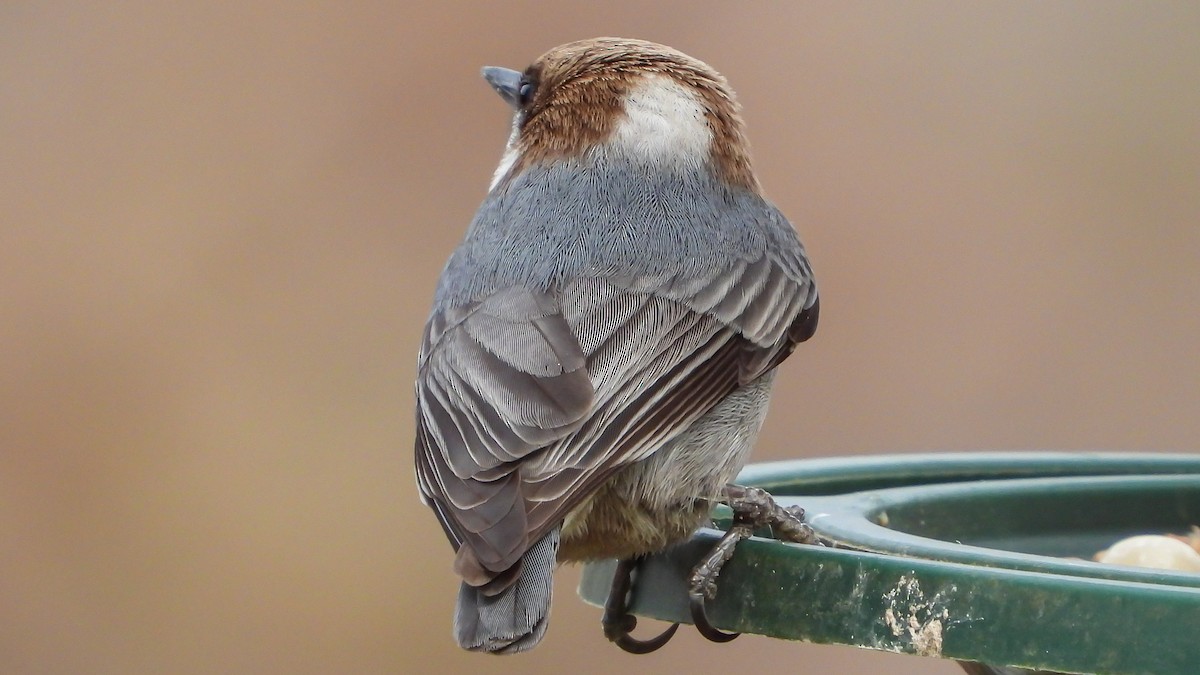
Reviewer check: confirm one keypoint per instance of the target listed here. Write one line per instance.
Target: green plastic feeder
(976, 557)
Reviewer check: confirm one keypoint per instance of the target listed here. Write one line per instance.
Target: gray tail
(513, 620)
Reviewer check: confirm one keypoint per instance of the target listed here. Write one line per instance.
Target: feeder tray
(976, 557)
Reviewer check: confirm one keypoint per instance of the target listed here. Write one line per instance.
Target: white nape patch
(507, 159)
(663, 121)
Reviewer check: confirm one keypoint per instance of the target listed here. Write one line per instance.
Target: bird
(602, 344)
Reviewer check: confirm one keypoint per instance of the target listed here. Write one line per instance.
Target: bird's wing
(527, 400)
(497, 380)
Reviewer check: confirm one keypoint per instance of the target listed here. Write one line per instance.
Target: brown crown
(579, 95)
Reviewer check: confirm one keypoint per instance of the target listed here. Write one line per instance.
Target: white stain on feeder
(915, 619)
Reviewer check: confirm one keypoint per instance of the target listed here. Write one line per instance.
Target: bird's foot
(755, 507)
(618, 623)
(752, 508)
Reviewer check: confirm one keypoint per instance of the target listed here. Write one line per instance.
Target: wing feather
(528, 400)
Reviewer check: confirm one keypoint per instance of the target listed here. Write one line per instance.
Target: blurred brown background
(220, 229)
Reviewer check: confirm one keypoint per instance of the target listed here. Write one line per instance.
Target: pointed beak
(506, 82)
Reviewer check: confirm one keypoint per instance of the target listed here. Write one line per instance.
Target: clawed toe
(635, 646)
(700, 619)
(618, 623)
(702, 584)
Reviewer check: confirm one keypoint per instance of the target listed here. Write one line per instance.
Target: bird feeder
(983, 558)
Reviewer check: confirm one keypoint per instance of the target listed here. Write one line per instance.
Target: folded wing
(528, 399)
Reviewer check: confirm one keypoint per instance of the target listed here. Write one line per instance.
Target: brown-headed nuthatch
(602, 344)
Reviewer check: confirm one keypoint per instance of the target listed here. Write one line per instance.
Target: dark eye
(525, 91)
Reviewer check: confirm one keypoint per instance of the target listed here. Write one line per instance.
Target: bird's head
(633, 100)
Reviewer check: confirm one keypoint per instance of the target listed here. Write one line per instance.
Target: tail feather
(513, 620)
